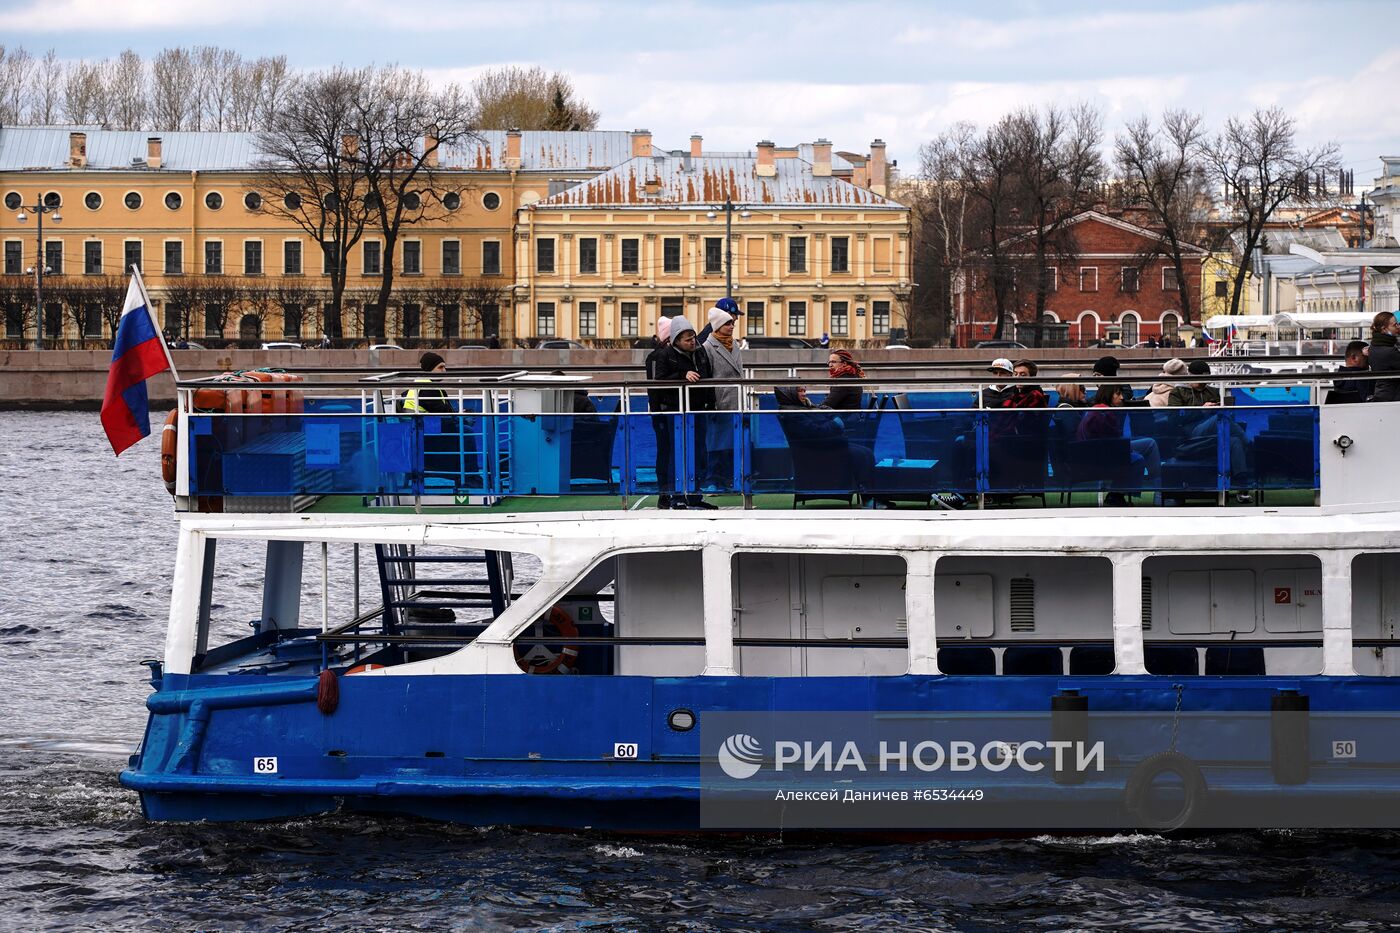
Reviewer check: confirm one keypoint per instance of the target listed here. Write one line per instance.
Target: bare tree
(217, 73)
(16, 67)
(85, 93)
(482, 298)
(257, 90)
(530, 99)
(298, 302)
(1162, 170)
(987, 174)
(1258, 165)
(173, 81)
(46, 89)
(184, 296)
(17, 304)
(314, 174)
(219, 295)
(403, 126)
(940, 214)
(127, 91)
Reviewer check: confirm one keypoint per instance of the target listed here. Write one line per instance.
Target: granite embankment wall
(74, 379)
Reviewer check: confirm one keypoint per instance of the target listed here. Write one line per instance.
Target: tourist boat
(481, 616)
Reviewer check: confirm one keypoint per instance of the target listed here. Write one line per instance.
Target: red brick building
(1110, 289)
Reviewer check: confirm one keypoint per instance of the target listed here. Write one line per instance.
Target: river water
(86, 551)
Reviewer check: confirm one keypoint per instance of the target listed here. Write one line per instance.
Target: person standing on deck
(661, 425)
(1383, 356)
(726, 363)
(432, 401)
(683, 361)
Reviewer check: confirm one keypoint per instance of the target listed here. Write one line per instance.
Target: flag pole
(151, 311)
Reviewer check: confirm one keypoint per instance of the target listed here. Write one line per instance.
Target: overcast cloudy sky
(738, 72)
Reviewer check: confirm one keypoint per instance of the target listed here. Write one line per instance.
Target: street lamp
(728, 207)
(40, 209)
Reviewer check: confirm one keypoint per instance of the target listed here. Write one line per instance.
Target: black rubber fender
(1148, 770)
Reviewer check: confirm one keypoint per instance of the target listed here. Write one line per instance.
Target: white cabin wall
(1073, 597)
(659, 595)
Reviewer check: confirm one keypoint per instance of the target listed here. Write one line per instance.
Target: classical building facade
(194, 212)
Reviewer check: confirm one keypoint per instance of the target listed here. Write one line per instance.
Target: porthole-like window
(53, 199)
(213, 200)
(13, 200)
(372, 201)
(173, 200)
(491, 200)
(252, 200)
(452, 200)
(291, 201)
(412, 201)
(132, 200)
(93, 200)
(331, 201)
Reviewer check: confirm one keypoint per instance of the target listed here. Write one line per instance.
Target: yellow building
(191, 210)
(1217, 280)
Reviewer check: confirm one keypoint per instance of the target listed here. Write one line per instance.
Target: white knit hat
(719, 318)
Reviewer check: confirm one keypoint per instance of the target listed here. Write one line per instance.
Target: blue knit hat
(728, 305)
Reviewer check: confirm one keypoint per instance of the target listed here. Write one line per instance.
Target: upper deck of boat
(588, 440)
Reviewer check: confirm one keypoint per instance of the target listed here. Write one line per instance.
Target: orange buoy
(169, 449)
(361, 668)
(562, 661)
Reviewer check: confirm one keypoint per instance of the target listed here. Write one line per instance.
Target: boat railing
(506, 435)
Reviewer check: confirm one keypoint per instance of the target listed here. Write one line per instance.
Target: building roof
(45, 148)
(710, 180)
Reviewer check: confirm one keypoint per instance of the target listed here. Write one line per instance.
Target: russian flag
(138, 354)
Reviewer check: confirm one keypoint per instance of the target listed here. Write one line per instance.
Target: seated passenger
(1026, 396)
(1071, 393)
(1105, 420)
(1383, 356)
(840, 364)
(1108, 366)
(1201, 433)
(1195, 394)
(1353, 389)
(1020, 396)
(1159, 396)
(805, 423)
(994, 395)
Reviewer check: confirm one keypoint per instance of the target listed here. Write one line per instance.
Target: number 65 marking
(265, 765)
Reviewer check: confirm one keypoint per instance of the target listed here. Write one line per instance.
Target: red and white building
(1106, 291)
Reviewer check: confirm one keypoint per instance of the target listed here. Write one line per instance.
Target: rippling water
(86, 549)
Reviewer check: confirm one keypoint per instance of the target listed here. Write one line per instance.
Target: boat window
(1024, 615)
(659, 596)
(1232, 614)
(1375, 614)
(820, 615)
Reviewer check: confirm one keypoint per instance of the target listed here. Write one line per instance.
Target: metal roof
(46, 148)
(710, 180)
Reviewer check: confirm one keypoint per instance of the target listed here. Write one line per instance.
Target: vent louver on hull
(1023, 604)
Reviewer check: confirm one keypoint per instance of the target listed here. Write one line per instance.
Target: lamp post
(728, 207)
(40, 209)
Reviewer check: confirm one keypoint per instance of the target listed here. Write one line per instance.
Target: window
(840, 254)
(451, 321)
(13, 200)
(1169, 283)
(132, 200)
(452, 200)
(588, 318)
(53, 257)
(1170, 325)
(173, 200)
(252, 257)
(631, 319)
(588, 255)
(544, 319)
(754, 325)
(131, 256)
(1052, 279)
(490, 257)
(671, 307)
(1089, 278)
(412, 201)
(291, 258)
(754, 256)
(92, 257)
(451, 257)
(671, 254)
(14, 321)
(880, 248)
(252, 200)
(213, 200)
(797, 254)
(412, 320)
(413, 257)
(631, 256)
(92, 200)
(1130, 329)
(291, 321)
(372, 257)
(491, 200)
(1222, 289)
(331, 258)
(544, 258)
(714, 255)
(880, 318)
(214, 316)
(291, 201)
(839, 318)
(92, 321)
(14, 257)
(1131, 278)
(797, 318)
(213, 257)
(53, 199)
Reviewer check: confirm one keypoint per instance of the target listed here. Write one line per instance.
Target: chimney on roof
(641, 143)
(430, 146)
(821, 158)
(696, 150)
(765, 167)
(879, 182)
(513, 150)
(152, 152)
(860, 171)
(77, 150)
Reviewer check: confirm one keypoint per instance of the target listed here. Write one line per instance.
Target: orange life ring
(565, 659)
(361, 668)
(169, 447)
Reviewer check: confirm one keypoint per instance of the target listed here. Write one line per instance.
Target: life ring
(1151, 814)
(169, 448)
(565, 660)
(361, 668)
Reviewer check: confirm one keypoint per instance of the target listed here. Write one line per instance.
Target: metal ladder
(405, 585)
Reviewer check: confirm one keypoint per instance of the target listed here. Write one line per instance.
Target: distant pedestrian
(325, 341)
(825, 340)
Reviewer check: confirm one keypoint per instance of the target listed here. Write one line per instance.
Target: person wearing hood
(726, 363)
(1159, 396)
(809, 424)
(683, 360)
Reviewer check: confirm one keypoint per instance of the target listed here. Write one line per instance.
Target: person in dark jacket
(1348, 387)
(808, 424)
(994, 395)
(661, 425)
(840, 364)
(1384, 356)
(683, 360)
(1109, 366)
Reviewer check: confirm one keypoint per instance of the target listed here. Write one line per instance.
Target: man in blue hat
(728, 306)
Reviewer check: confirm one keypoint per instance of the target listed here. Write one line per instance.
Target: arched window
(1129, 322)
(1087, 325)
(1170, 323)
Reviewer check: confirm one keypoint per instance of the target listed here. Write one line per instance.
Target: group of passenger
(1380, 357)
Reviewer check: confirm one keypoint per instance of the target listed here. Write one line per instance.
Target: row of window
(372, 257)
(754, 256)
(755, 318)
(214, 200)
(1129, 279)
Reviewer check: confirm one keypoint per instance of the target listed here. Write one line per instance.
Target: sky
(738, 72)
